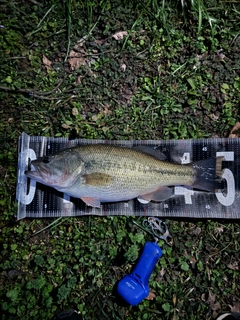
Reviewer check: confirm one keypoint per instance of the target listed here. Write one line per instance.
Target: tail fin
(208, 174)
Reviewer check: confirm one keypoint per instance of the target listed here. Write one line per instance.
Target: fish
(107, 173)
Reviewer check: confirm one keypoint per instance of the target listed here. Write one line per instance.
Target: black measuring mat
(39, 201)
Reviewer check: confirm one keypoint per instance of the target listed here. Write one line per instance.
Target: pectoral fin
(161, 194)
(92, 202)
(97, 179)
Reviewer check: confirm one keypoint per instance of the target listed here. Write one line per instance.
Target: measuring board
(39, 201)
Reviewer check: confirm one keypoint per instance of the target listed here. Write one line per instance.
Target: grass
(175, 74)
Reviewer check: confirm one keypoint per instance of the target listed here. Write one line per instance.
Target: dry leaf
(120, 35)
(235, 132)
(75, 60)
(214, 117)
(233, 266)
(54, 284)
(79, 80)
(211, 301)
(218, 230)
(100, 41)
(162, 272)
(106, 110)
(66, 126)
(95, 117)
(174, 299)
(211, 250)
(193, 261)
(78, 46)
(123, 67)
(47, 63)
(197, 231)
(235, 308)
(75, 111)
(221, 56)
(203, 297)
(151, 296)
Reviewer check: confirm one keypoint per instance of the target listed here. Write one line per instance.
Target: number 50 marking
(228, 199)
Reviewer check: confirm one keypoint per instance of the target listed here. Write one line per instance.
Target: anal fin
(161, 194)
(92, 202)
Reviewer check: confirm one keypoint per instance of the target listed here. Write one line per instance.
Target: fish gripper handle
(133, 288)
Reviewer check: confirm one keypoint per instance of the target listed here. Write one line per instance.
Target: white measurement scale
(39, 201)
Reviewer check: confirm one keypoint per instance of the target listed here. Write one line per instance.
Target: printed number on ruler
(28, 197)
(228, 199)
(225, 200)
(182, 191)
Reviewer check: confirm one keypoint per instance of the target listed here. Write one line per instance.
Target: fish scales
(132, 172)
(107, 173)
(125, 160)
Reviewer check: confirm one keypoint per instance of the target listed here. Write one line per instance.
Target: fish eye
(45, 160)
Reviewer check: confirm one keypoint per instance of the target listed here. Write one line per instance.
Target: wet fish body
(107, 173)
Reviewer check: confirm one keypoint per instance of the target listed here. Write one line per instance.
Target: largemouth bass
(106, 173)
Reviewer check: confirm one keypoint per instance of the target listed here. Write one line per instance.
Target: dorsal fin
(151, 151)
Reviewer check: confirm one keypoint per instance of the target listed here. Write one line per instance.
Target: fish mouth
(37, 173)
(32, 174)
(42, 174)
